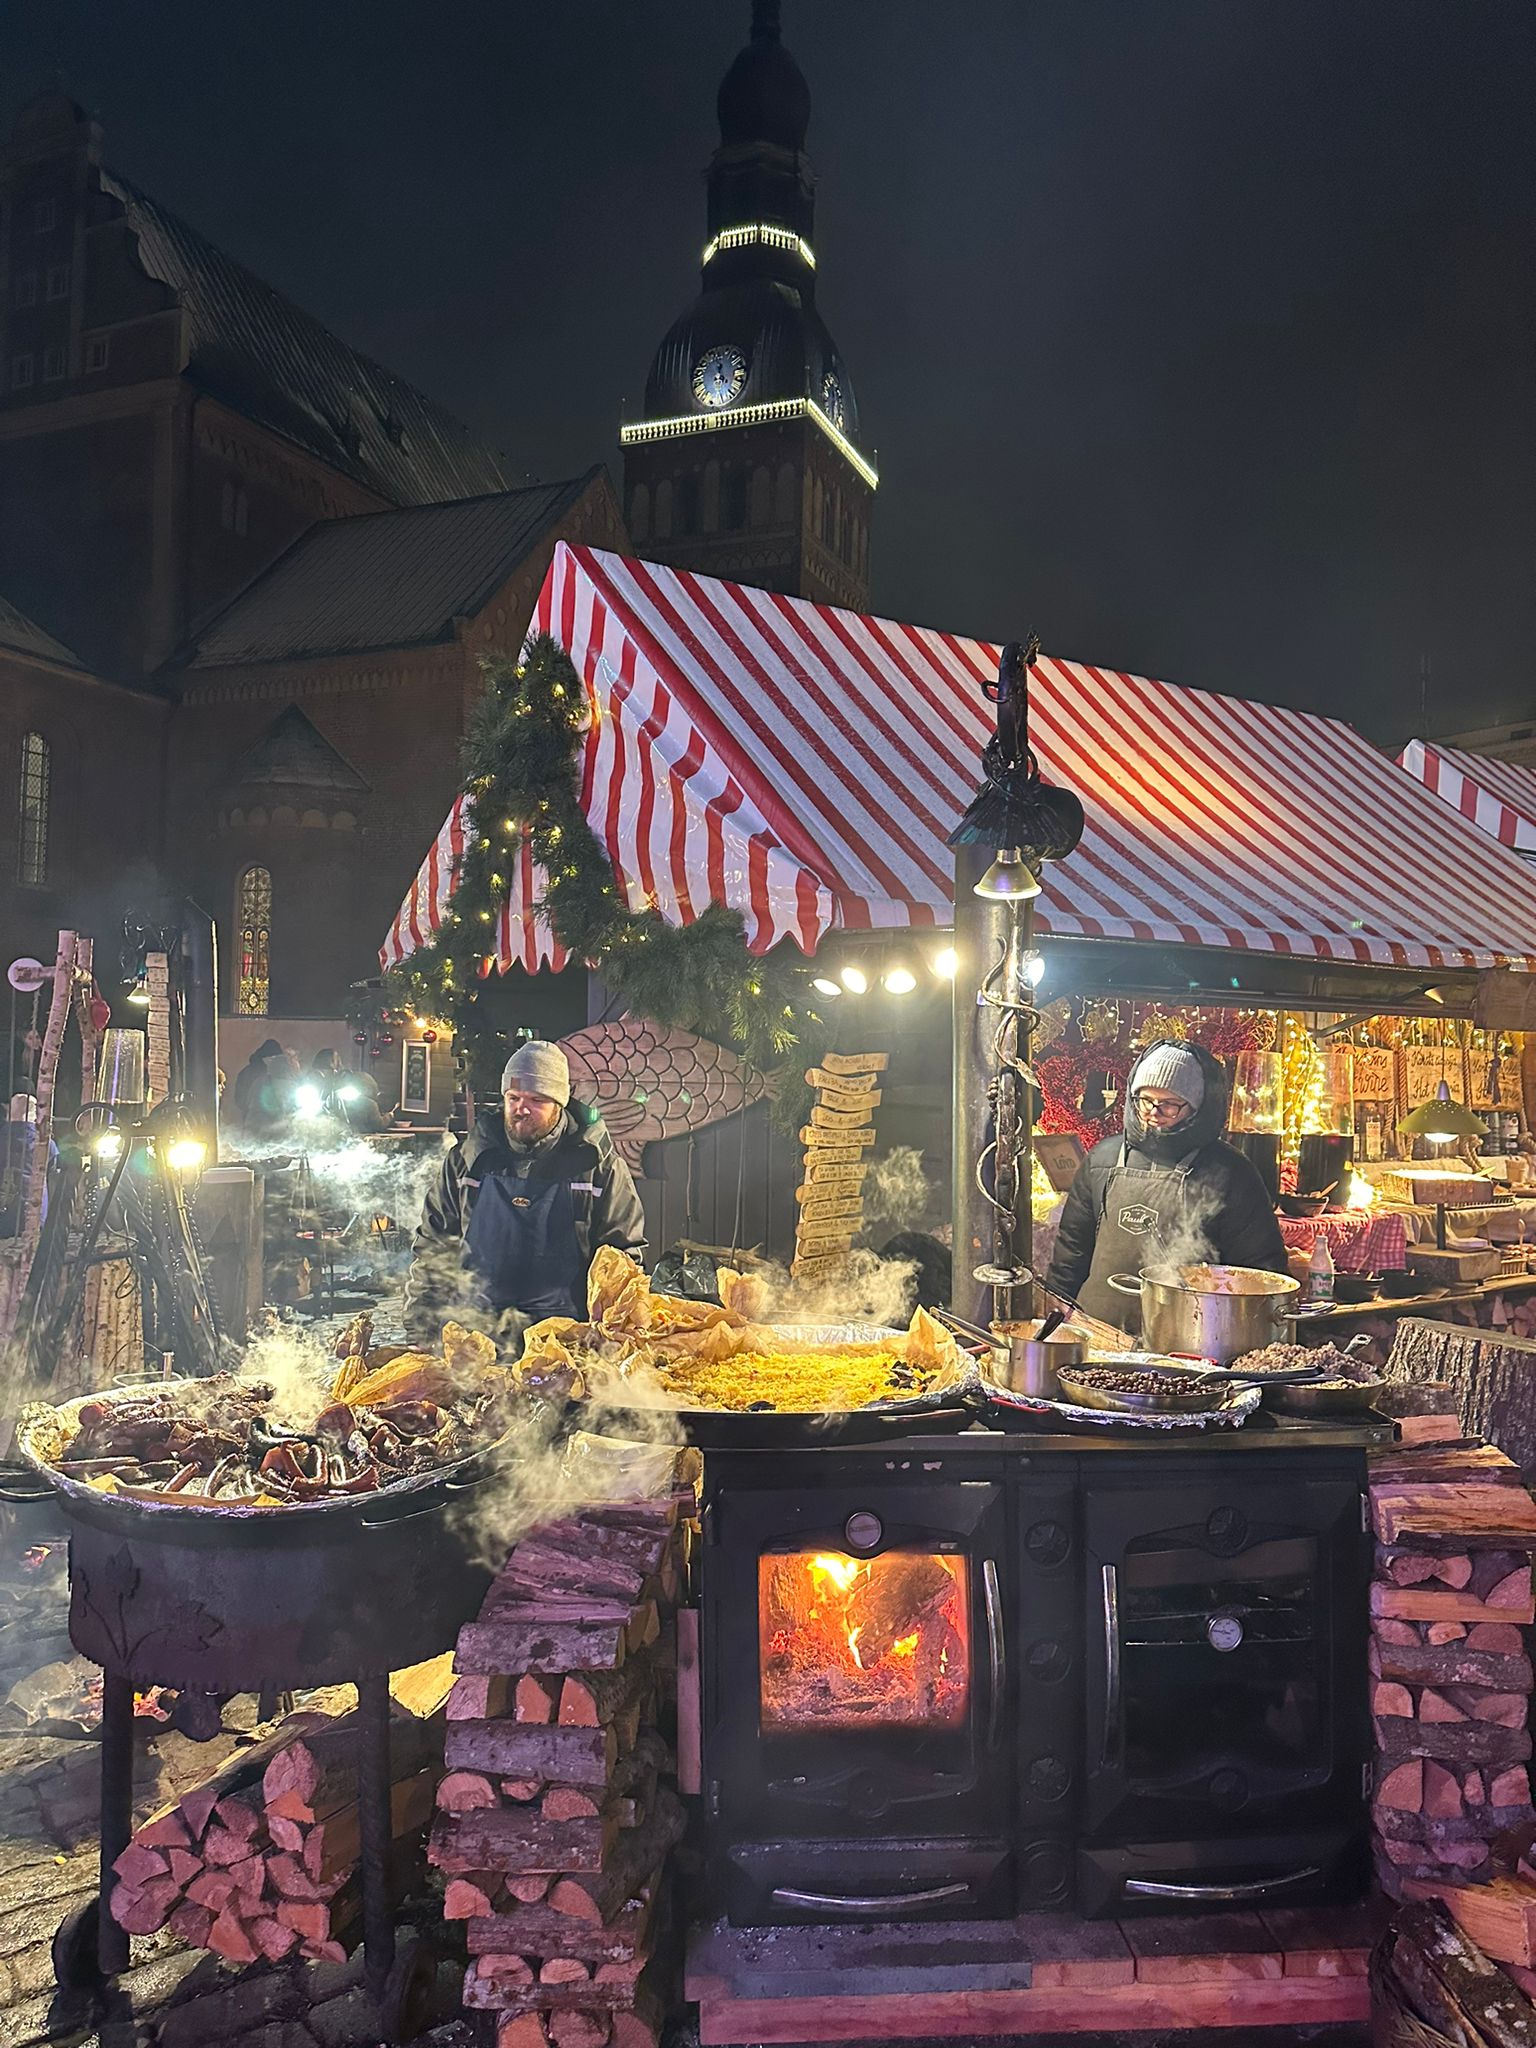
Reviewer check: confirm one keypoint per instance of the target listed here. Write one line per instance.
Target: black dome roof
(788, 351)
(764, 96)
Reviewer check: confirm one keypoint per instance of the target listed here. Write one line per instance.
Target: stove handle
(454, 1488)
(1110, 1578)
(1231, 1894)
(21, 1484)
(997, 1649)
(891, 1902)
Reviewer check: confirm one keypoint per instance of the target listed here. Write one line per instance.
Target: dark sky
(1196, 334)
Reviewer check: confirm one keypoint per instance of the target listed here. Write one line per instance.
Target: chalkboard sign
(416, 1076)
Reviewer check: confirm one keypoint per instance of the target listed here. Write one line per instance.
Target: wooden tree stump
(1494, 1376)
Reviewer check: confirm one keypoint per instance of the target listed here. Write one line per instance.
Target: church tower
(746, 462)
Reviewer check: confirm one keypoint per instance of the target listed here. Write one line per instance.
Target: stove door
(1226, 1652)
(859, 1666)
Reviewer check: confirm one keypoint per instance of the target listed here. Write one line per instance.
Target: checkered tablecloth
(1360, 1240)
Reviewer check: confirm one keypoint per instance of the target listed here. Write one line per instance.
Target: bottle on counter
(1318, 1290)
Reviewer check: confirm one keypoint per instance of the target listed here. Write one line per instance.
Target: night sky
(1195, 334)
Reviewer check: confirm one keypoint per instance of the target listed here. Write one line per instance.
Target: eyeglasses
(1158, 1106)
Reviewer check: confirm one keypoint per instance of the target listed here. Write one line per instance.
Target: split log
(565, 1970)
(333, 1845)
(1403, 1787)
(564, 1755)
(506, 1969)
(595, 1699)
(580, 2029)
(1460, 1742)
(1434, 1706)
(1457, 1664)
(472, 1896)
(522, 2030)
(515, 1841)
(536, 1700)
(1442, 1792)
(1500, 1639)
(1479, 1995)
(1416, 1603)
(190, 1925)
(528, 1891)
(1440, 1632)
(507, 1646)
(144, 1909)
(482, 1698)
(464, 1791)
(633, 1861)
(521, 1789)
(1455, 1464)
(1389, 1700)
(539, 1929)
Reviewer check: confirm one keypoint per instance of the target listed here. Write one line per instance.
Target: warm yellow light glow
(898, 981)
(186, 1155)
(1010, 879)
(946, 962)
(109, 1145)
(1361, 1194)
(767, 235)
(855, 980)
(824, 985)
(767, 414)
(842, 1571)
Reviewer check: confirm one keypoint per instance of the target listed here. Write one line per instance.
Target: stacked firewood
(1451, 1679)
(836, 1141)
(557, 1812)
(1431, 1984)
(261, 1860)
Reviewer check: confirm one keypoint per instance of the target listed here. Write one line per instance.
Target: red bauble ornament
(101, 1015)
(429, 1038)
(359, 1038)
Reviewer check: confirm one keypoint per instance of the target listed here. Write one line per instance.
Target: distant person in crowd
(259, 1103)
(1166, 1192)
(522, 1204)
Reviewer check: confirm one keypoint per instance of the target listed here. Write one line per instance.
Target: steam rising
(897, 1191)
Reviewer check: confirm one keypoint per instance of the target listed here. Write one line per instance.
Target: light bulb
(186, 1154)
(898, 981)
(946, 962)
(307, 1100)
(824, 985)
(1034, 969)
(109, 1144)
(855, 980)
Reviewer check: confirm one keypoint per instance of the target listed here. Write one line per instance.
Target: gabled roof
(294, 754)
(1500, 796)
(384, 579)
(24, 636)
(277, 365)
(805, 765)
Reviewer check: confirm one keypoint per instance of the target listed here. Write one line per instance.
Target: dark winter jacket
(1223, 1186)
(582, 1154)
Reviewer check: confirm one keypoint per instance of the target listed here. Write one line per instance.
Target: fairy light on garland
(520, 761)
(1304, 1084)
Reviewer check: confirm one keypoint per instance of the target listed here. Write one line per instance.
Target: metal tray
(1173, 1398)
(1031, 1412)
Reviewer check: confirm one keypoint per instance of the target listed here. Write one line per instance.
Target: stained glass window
(32, 812)
(253, 918)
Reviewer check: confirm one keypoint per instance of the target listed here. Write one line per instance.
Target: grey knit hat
(538, 1068)
(1173, 1067)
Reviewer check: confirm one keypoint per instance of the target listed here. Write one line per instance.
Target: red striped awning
(804, 766)
(1500, 796)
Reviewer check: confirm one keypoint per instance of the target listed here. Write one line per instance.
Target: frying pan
(941, 1411)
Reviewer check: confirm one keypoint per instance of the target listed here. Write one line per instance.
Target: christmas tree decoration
(520, 762)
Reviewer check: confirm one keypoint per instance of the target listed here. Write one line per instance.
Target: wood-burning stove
(963, 1677)
(856, 1685)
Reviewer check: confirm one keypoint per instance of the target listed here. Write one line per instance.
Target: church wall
(104, 804)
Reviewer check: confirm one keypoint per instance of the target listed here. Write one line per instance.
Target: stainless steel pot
(1027, 1364)
(1199, 1312)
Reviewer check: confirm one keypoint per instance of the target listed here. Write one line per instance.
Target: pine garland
(520, 770)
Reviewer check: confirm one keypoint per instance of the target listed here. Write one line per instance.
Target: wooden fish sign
(648, 1084)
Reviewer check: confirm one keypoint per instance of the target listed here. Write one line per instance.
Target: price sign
(1374, 1079)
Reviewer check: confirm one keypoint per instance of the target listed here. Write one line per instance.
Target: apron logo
(1138, 1219)
(520, 1201)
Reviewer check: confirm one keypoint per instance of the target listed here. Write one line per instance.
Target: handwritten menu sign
(1374, 1079)
(1480, 1080)
(1425, 1067)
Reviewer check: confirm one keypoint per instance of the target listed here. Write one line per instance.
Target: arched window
(761, 496)
(664, 509)
(253, 922)
(786, 492)
(32, 812)
(733, 497)
(640, 512)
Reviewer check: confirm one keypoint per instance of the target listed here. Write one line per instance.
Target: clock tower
(746, 461)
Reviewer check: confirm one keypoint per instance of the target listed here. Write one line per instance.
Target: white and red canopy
(1499, 796)
(805, 765)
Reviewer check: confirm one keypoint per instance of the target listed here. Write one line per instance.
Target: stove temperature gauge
(863, 1530)
(1223, 1632)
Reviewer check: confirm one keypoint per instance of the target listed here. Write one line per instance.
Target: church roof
(384, 579)
(279, 366)
(24, 636)
(294, 754)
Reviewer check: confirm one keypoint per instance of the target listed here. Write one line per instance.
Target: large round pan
(130, 1510)
(941, 1412)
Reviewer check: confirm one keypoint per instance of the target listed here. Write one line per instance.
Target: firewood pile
(558, 1811)
(260, 1862)
(1455, 1529)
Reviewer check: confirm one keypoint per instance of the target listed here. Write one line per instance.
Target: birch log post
(47, 1078)
(1493, 1374)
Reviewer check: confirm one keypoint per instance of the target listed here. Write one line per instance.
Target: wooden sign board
(1426, 1066)
(1375, 1078)
(1060, 1154)
(416, 1076)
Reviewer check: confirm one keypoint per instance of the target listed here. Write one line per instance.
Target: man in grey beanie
(520, 1206)
(1168, 1192)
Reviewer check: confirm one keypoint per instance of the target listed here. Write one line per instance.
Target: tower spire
(765, 21)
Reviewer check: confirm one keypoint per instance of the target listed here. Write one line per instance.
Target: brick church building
(246, 573)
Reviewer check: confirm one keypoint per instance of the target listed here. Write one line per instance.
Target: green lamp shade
(1443, 1117)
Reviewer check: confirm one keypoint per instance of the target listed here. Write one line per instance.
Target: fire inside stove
(862, 1642)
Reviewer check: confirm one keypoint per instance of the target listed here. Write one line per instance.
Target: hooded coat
(605, 1203)
(1223, 1189)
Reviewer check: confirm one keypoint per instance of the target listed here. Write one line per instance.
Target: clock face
(719, 375)
(832, 399)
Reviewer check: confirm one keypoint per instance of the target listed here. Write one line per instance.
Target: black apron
(1141, 1212)
(520, 1246)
